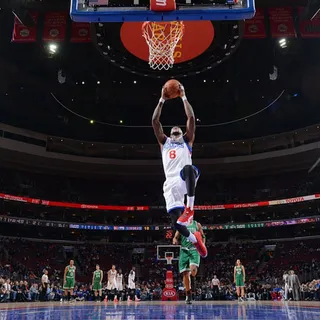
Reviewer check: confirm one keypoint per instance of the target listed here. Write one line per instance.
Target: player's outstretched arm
(191, 121)
(156, 124)
(199, 226)
(175, 239)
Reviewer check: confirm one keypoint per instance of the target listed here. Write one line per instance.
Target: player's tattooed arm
(156, 124)
(202, 233)
(191, 121)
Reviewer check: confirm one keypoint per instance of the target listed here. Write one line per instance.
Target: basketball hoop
(169, 257)
(162, 39)
(169, 260)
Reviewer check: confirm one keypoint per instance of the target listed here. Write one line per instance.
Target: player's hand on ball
(182, 91)
(163, 93)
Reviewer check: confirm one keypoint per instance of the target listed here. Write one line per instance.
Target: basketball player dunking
(181, 175)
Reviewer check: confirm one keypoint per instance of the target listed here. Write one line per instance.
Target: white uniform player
(286, 285)
(181, 176)
(119, 281)
(131, 278)
(176, 154)
(132, 286)
(112, 282)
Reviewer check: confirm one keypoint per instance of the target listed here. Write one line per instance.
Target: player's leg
(132, 294)
(238, 292)
(194, 260)
(71, 295)
(115, 289)
(189, 174)
(100, 292)
(195, 238)
(129, 298)
(193, 269)
(65, 294)
(94, 289)
(174, 215)
(100, 295)
(109, 286)
(67, 287)
(115, 298)
(187, 286)
(95, 293)
(242, 292)
(185, 271)
(174, 190)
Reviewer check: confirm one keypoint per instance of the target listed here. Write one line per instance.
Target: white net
(162, 39)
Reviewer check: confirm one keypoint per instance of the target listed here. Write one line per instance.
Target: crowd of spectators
(22, 262)
(21, 269)
(27, 291)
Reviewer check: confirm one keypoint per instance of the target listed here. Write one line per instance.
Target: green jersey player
(189, 259)
(97, 282)
(239, 279)
(69, 279)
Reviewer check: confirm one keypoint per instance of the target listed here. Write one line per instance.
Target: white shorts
(174, 190)
(111, 285)
(131, 286)
(120, 287)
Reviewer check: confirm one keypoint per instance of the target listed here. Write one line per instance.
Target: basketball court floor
(161, 310)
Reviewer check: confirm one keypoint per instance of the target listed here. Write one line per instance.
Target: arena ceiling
(60, 93)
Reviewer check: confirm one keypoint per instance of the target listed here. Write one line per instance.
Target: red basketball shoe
(186, 218)
(200, 246)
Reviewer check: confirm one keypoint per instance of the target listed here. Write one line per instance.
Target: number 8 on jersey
(172, 154)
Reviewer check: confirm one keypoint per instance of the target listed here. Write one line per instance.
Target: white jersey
(120, 281)
(112, 282)
(44, 279)
(215, 282)
(112, 275)
(131, 277)
(175, 155)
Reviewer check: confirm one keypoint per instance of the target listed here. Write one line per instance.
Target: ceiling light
(52, 47)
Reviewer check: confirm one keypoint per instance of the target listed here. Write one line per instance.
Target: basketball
(172, 89)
